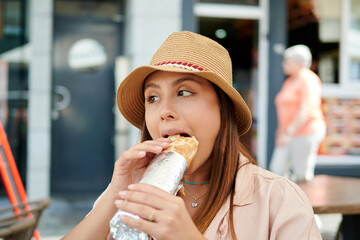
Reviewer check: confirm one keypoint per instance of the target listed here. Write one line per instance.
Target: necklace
(194, 183)
(194, 204)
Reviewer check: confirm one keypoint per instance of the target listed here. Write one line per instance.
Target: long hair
(224, 166)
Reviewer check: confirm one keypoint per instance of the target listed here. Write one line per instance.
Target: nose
(167, 111)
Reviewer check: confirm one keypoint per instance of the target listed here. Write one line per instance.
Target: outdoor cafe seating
(19, 222)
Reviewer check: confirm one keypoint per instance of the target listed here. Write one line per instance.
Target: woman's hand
(163, 216)
(130, 166)
(282, 139)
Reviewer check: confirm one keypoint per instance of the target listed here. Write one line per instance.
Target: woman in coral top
(301, 125)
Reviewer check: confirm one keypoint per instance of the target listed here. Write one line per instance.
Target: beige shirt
(266, 206)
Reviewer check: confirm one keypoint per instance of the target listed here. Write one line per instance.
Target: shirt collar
(244, 183)
(244, 195)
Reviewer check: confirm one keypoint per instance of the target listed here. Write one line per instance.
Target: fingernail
(122, 193)
(131, 186)
(158, 148)
(141, 153)
(164, 139)
(164, 143)
(118, 202)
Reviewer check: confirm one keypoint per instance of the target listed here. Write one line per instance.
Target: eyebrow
(178, 81)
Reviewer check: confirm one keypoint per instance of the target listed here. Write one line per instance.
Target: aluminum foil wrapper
(165, 172)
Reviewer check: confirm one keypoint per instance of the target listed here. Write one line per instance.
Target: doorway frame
(261, 14)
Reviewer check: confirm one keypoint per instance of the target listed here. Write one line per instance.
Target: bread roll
(186, 146)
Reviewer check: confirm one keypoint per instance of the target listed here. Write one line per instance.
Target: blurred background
(62, 60)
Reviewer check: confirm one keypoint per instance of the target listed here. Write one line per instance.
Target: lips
(168, 132)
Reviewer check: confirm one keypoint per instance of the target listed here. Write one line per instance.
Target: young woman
(187, 89)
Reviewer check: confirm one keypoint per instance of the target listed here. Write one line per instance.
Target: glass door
(242, 28)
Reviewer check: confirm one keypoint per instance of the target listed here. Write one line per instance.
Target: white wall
(148, 24)
(39, 110)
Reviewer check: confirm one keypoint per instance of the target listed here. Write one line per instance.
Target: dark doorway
(240, 38)
(85, 47)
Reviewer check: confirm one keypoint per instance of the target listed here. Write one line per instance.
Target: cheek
(285, 67)
(209, 119)
(207, 123)
(205, 114)
(287, 70)
(150, 123)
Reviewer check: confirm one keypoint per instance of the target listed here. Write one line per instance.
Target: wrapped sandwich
(165, 171)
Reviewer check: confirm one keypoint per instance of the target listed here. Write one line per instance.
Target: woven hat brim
(130, 97)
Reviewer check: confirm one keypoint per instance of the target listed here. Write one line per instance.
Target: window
(353, 40)
(14, 58)
(242, 2)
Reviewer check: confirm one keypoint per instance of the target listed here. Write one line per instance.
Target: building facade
(61, 61)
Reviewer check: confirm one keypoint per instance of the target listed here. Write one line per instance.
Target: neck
(195, 183)
(296, 74)
(198, 173)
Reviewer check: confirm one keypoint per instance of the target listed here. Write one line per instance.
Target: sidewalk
(63, 215)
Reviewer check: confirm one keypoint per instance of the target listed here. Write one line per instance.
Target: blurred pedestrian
(301, 125)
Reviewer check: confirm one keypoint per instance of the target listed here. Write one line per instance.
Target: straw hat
(183, 52)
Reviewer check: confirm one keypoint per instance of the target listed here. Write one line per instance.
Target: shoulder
(309, 77)
(266, 183)
(276, 203)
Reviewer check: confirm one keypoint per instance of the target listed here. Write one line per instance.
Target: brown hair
(224, 165)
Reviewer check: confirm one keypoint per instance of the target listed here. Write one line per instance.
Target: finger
(149, 199)
(143, 211)
(150, 146)
(132, 154)
(139, 224)
(153, 146)
(147, 188)
(159, 141)
(141, 151)
(168, 140)
(160, 227)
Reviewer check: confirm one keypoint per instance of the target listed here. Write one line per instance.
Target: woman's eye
(151, 99)
(184, 93)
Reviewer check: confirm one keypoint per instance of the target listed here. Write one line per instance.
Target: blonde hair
(299, 53)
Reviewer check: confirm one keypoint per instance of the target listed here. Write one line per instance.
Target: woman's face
(186, 104)
(291, 67)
